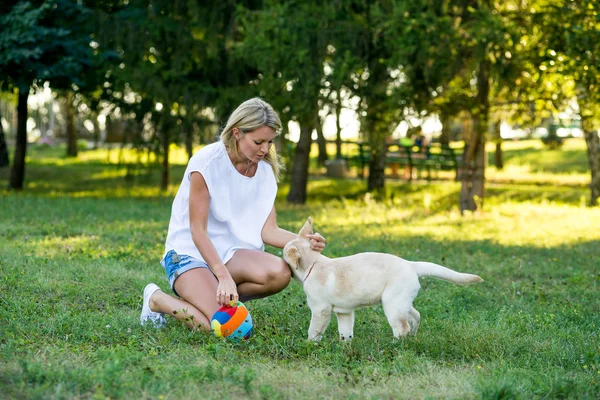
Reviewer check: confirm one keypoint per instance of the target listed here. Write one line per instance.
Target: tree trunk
(166, 143)
(593, 150)
(376, 180)
(164, 133)
(188, 134)
(474, 157)
(498, 155)
(376, 127)
(17, 173)
(445, 136)
(96, 129)
(285, 147)
(4, 161)
(51, 117)
(338, 128)
(472, 173)
(299, 178)
(70, 122)
(320, 141)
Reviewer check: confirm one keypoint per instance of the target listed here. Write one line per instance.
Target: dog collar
(309, 271)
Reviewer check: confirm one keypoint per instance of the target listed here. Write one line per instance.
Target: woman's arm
(275, 236)
(199, 203)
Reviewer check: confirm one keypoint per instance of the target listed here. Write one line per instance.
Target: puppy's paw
(414, 327)
(346, 338)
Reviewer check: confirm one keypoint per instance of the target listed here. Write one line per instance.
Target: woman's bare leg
(258, 274)
(197, 289)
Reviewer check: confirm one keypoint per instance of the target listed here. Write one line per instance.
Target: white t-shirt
(239, 205)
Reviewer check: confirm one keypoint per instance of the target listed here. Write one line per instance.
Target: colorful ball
(232, 322)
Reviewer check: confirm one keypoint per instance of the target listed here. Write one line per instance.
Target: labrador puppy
(344, 284)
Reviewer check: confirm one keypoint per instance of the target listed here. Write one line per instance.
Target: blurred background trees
(40, 41)
(153, 73)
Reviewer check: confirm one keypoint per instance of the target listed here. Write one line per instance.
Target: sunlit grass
(534, 157)
(177, 155)
(527, 174)
(106, 154)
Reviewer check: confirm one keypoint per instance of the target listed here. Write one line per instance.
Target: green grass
(529, 161)
(78, 246)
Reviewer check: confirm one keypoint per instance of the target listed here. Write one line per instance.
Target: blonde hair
(249, 116)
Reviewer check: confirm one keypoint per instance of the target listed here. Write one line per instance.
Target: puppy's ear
(306, 229)
(292, 256)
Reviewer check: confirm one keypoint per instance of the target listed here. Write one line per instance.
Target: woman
(221, 217)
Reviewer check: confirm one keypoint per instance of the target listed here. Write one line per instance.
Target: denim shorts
(176, 264)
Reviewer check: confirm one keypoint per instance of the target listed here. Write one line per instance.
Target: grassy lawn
(78, 246)
(529, 161)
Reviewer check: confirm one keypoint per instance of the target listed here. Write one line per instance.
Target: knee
(279, 275)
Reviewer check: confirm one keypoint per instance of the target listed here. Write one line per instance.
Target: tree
(467, 55)
(175, 61)
(70, 125)
(572, 44)
(359, 30)
(294, 36)
(338, 64)
(40, 41)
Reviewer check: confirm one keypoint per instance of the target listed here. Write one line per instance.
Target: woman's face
(255, 145)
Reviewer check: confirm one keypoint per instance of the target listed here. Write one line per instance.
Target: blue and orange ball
(232, 322)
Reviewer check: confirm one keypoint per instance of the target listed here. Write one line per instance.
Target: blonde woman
(222, 216)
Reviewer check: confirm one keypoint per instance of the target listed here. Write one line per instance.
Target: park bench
(413, 158)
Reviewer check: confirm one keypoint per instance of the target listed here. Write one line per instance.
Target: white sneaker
(157, 319)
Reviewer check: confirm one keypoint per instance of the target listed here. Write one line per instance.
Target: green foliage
(287, 42)
(572, 40)
(395, 60)
(43, 41)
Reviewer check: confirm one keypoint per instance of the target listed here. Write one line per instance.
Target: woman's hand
(227, 292)
(317, 242)
(198, 208)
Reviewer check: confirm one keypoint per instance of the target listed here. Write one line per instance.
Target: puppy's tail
(437, 271)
